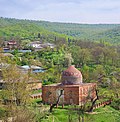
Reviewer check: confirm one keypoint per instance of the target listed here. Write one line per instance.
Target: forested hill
(30, 28)
(96, 32)
(25, 29)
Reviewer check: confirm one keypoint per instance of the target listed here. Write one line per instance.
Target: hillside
(83, 31)
(112, 35)
(25, 29)
(30, 29)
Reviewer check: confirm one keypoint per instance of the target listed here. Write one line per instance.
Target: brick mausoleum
(71, 89)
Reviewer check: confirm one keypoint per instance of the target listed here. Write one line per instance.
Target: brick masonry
(72, 94)
(73, 90)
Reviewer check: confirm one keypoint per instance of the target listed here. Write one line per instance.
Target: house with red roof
(10, 44)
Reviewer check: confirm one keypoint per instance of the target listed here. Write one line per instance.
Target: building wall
(35, 86)
(71, 95)
(86, 92)
(75, 94)
(49, 94)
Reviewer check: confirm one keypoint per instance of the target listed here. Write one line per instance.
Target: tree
(16, 85)
(98, 73)
(84, 56)
(114, 87)
(1, 42)
(39, 36)
(80, 56)
(16, 95)
(56, 102)
(97, 54)
(93, 101)
(68, 59)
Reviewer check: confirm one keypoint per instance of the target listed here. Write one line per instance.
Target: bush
(3, 112)
(116, 104)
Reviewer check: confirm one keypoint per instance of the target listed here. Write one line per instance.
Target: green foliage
(3, 112)
(50, 31)
(25, 30)
(106, 114)
(116, 104)
(98, 61)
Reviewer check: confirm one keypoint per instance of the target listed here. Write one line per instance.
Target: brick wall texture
(71, 94)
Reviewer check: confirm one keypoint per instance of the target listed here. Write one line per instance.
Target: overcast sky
(75, 11)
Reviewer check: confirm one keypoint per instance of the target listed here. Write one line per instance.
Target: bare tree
(57, 101)
(94, 101)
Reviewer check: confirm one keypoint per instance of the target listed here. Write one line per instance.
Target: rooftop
(72, 71)
(61, 85)
(32, 67)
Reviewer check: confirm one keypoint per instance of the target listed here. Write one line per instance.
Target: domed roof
(71, 76)
(72, 71)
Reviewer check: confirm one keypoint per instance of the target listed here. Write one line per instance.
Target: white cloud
(82, 11)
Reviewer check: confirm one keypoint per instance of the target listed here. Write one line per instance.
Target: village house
(37, 45)
(32, 83)
(71, 90)
(32, 69)
(8, 55)
(10, 44)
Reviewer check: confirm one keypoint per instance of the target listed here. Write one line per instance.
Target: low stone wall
(104, 103)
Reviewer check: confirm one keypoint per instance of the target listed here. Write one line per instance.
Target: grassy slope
(106, 114)
(103, 114)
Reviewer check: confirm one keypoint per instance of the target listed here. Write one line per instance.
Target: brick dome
(71, 76)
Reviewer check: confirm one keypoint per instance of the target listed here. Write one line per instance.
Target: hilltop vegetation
(24, 29)
(50, 30)
(92, 32)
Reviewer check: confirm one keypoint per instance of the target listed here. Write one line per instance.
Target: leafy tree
(39, 35)
(15, 85)
(97, 54)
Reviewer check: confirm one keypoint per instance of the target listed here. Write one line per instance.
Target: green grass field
(103, 114)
